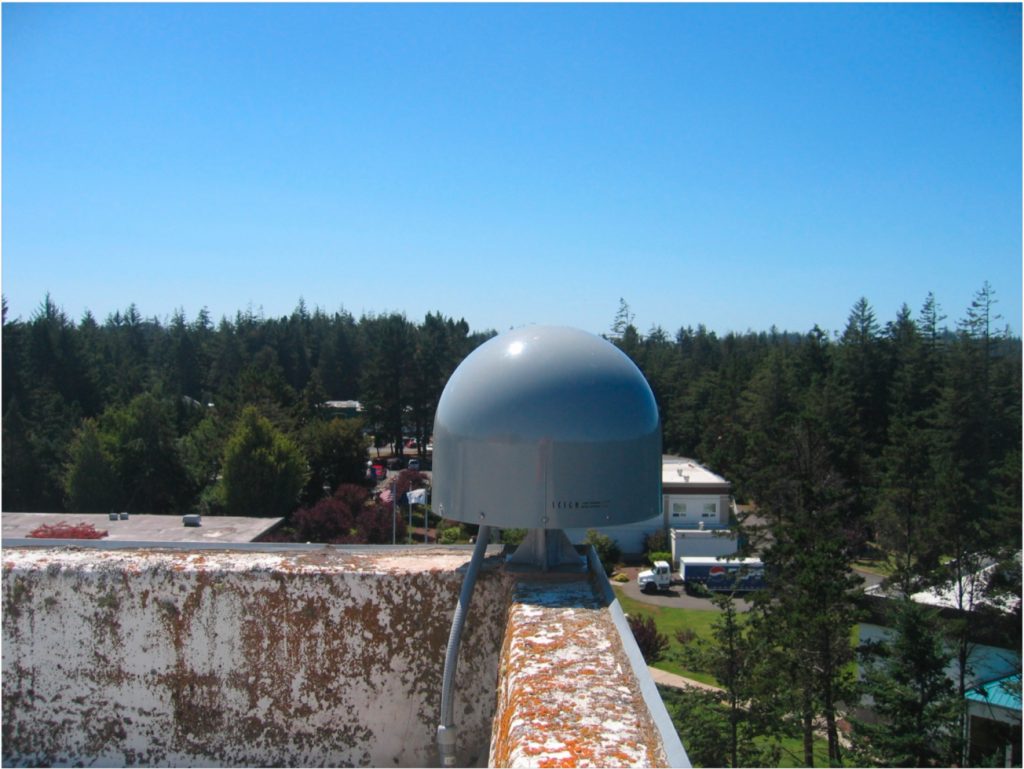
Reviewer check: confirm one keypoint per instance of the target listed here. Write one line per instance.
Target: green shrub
(660, 556)
(513, 537)
(620, 577)
(607, 549)
(451, 536)
(263, 470)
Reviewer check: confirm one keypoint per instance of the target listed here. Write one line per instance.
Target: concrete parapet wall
(567, 694)
(169, 657)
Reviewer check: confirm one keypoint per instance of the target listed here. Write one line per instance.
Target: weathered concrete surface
(164, 657)
(567, 695)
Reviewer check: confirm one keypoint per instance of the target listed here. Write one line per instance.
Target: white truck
(658, 578)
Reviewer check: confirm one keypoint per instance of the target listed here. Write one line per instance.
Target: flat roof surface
(677, 471)
(145, 528)
(970, 594)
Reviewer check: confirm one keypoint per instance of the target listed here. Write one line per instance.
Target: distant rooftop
(970, 593)
(146, 528)
(344, 405)
(1003, 693)
(677, 471)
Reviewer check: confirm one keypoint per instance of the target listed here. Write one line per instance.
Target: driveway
(675, 597)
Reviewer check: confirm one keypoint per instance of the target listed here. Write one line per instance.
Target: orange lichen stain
(549, 763)
(546, 651)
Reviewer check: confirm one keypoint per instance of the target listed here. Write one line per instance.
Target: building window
(710, 508)
(678, 509)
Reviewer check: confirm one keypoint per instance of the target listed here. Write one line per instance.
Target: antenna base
(547, 550)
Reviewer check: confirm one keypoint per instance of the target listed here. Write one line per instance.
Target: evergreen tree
(701, 723)
(263, 470)
(904, 505)
(144, 447)
(91, 483)
(202, 451)
(23, 475)
(623, 319)
(857, 410)
(911, 695)
(386, 384)
(733, 659)
(337, 453)
(807, 613)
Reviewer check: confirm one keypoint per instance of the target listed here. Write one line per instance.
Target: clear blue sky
(733, 165)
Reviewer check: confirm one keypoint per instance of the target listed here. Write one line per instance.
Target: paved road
(869, 578)
(665, 678)
(675, 597)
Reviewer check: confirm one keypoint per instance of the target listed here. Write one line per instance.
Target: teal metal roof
(1003, 693)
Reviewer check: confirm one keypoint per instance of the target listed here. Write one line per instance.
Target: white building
(702, 542)
(693, 496)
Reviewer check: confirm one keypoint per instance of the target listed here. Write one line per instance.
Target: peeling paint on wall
(169, 657)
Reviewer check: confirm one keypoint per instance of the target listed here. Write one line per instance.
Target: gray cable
(446, 729)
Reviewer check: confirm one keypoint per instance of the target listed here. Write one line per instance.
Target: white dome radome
(547, 427)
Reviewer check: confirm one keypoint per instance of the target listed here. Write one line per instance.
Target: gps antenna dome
(542, 428)
(547, 427)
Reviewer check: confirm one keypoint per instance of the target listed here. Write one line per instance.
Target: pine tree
(91, 482)
(912, 697)
(806, 614)
(904, 506)
(623, 319)
(263, 470)
(733, 659)
(337, 452)
(386, 384)
(144, 447)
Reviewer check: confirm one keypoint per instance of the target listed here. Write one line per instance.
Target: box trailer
(721, 575)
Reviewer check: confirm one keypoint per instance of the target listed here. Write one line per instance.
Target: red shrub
(64, 530)
(652, 643)
(351, 516)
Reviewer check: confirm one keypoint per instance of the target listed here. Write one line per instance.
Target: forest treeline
(135, 414)
(911, 398)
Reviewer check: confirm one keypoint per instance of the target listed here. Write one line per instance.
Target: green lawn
(793, 752)
(879, 567)
(669, 621)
